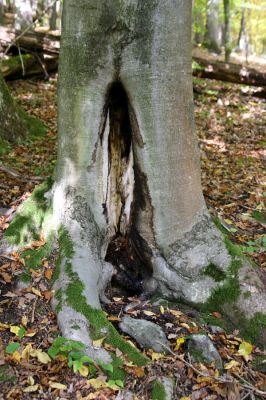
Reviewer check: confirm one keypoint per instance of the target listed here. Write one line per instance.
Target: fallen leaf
(31, 389)
(36, 291)
(161, 309)
(57, 385)
(24, 320)
(48, 273)
(84, 370)
(231, 364)
(216, 314)
(4, 326)
(7, 278)
(26, 352)
(245, 349)
(176, 313)
(149, 313)
(15, 329)
(16, 356)
(98, 342)
(139, 372)
(97, 383)
(156, 356)
(179, 342)
(41, 356)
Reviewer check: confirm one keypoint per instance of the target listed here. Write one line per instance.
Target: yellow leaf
(176, 313)
(57, 385)
(31, 380)
(26, 352)
(16, 356)
(36, 291)
(156, 356)
(24, 320)
(179, 342)
(116, 299)
(97, 383)
(31, 389)
(228, 221)
(15, 329)
(245, 349)
(3, 326)
(149, 313)
(231, 364)
(201, 379)
(30, 333)
(41, 356)
(98, 342)
(84, 370)
(185, 398)
(161, 309)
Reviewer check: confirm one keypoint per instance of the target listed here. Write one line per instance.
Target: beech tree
(213, 34)
(12, 124)
(128, 173)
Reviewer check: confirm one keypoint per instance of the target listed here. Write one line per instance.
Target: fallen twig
(247, 385)
(16, 175)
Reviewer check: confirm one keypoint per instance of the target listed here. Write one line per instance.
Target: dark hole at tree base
(126, 250)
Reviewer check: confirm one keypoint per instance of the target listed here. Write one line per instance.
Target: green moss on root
(227, 293)
(33, 257)
(99, 324)
(158, 391)
(30, 217)
(215, 273)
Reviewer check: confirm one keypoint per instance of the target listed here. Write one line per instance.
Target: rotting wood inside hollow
(126, 248)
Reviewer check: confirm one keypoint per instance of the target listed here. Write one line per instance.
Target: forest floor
(230, 122)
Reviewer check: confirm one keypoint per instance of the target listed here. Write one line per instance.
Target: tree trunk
(53, 18)
(227, 34)
(12, 126)
(213, 27)
(127, 186)
(229, 72)
(24, 14)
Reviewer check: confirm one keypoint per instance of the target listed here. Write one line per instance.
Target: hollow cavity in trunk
(125, 250)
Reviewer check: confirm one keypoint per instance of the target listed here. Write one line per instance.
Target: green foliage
(30, 217)
(74, 351)
(254, 12)
(215, 273)
(158, 391)
(12, 347)
(258, 245)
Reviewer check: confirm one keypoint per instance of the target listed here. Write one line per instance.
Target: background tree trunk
(227, 34)
(24, 14)
(12, 126)
(213, 33)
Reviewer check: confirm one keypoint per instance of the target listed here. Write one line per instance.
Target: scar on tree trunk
(127, 251)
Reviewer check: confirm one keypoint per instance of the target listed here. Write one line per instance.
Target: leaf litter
(231, 127)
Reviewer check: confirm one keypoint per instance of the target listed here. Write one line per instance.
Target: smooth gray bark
(227, 33)
(128, 162)
(25, 11)
(213, 35)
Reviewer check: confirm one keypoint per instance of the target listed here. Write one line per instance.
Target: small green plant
(12, 347)
(74, 351)
(254, 246)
